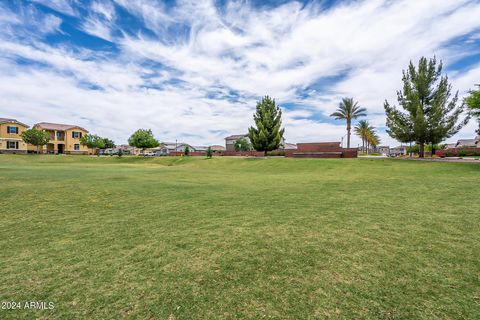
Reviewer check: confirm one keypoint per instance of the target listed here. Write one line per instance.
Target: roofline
(72, 126)
(236, 135)
(14, 121)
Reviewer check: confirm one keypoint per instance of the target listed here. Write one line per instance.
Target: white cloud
(104, 8)
(98, 28)
(62, 6)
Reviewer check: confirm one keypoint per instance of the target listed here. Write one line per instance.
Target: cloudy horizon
(193, 70)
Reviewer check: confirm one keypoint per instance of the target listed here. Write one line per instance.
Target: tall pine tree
(268, 133)
(429, 115)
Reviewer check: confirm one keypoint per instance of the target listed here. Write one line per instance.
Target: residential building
(468, 143)
(10, 136)
(398, 151)
(383, 150)
(64, 138)
(217, 148)
(166, 148)
(199, 148)
(230, 141)
(127, 150)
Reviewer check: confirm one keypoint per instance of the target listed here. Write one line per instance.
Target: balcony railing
(59, 137)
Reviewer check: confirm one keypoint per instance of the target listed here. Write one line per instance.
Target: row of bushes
(462, 153)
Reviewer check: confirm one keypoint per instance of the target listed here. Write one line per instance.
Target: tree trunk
(421, 152)
(432, 151)
(411, 151)
(265, 153)
(363, 145)
(38, 149)
(348, 136)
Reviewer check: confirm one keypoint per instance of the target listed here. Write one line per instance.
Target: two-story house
(231, 140)
(64, 138)
(10, 136)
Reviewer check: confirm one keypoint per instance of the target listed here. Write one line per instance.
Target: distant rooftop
(7, 120)
(236, 136)
(467, 142)
(217, 148)
(58, 126)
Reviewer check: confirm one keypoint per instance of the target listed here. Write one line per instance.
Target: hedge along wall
(458, 152)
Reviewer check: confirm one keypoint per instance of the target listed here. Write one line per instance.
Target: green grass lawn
(226, 238)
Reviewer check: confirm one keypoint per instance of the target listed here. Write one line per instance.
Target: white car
(149, 154)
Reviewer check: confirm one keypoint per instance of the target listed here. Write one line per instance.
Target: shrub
(209, 153)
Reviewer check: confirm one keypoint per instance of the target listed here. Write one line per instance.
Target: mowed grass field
(239, 238)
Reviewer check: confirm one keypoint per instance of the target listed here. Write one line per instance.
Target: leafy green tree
(268, 133)
(413, 149)
(186, 151)
(92, 141)
(430, 115)
(120, 153)
(109, 144)
(35, 137)
(348, 110)
(242, 144)
(143, 139)
(209, 153)
(473, 103)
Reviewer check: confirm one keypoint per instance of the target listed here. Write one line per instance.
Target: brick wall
(321, 146)
(321, 150)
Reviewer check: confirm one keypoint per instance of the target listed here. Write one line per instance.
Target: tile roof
(467, 142)
(236, 136)
(7, 120)
(57, 126)
(217, 148)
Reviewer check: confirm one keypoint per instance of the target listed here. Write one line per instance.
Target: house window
(12, 129)
(76, 135)
(12, 145)
(76, 147)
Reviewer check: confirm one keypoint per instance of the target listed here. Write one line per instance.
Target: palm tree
(361, 130)
(372, 138)
(348, 110)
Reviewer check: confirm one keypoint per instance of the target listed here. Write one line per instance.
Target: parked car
(149, 154)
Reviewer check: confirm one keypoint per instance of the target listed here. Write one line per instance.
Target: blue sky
(193, 70)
